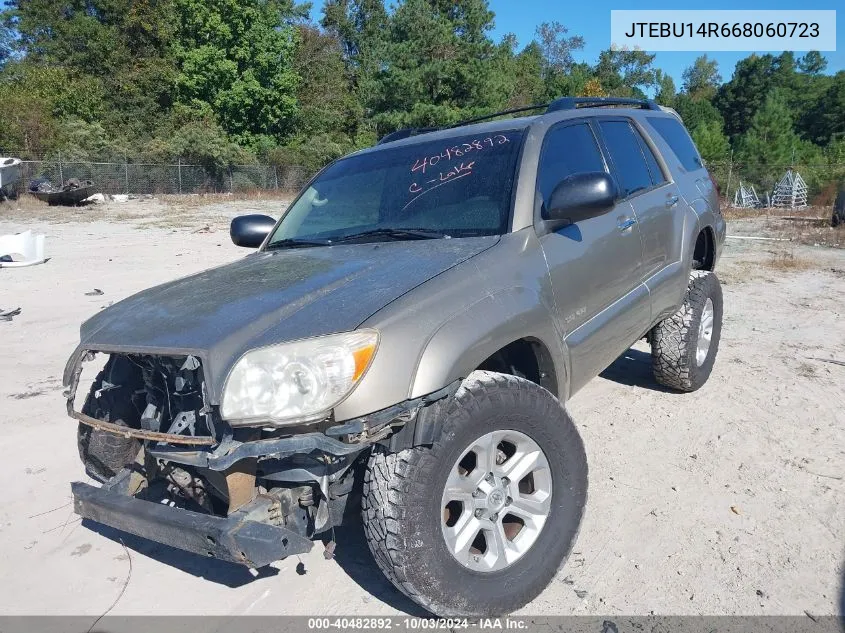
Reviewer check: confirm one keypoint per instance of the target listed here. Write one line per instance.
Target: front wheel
(684, 346)
(479, 523)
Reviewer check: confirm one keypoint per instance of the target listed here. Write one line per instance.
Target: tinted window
(460, 186)
(651, 160)
(624, 148)
(675, 135)
(567, 150)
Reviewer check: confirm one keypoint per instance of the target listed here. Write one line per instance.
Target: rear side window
(657, 176)
(567, 150)
(676, 136)
(623, 145)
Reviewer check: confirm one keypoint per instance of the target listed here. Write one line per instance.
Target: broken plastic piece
(25, 249)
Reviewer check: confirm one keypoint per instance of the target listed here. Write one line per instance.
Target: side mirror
(581, 196)
(250, 230)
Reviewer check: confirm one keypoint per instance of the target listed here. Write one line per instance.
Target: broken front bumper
(232, 539)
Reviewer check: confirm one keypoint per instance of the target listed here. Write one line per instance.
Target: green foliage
(711, 141)
(625, 73)
(695, 112)
(234, 62)
(219, 82)
(702, 78)
(433, 71)
(666, 93)
(771, 144)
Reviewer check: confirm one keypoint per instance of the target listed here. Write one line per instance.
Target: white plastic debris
(120, 197)
(97, 198)
(25, 249)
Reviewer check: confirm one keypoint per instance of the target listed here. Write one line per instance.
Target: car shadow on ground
(633, 369)
(353, 556)
(217, 571)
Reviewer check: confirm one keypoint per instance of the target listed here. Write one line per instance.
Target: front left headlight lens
(296, 382)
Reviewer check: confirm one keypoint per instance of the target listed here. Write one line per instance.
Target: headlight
(296, 382)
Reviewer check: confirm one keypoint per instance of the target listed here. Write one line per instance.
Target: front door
(595, 265)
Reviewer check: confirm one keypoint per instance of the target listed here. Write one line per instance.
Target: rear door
(647, 188)
(595, 264)
(657, 204)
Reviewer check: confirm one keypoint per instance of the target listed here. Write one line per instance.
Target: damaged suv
(399, 347)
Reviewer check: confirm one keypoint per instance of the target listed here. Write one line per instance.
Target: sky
(591, 19)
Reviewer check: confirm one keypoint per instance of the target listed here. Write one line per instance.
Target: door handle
(671, 201)
(626, 224)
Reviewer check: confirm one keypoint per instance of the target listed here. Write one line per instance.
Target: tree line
(219, 82)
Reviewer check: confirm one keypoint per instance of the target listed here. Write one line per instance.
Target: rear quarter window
(676, 136)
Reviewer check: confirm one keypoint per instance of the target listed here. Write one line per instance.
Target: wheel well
(526, 358)
(704, 253)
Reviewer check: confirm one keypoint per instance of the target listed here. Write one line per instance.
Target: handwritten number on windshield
(464, 169)
(421, 164)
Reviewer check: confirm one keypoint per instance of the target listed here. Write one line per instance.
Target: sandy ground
(730, 500)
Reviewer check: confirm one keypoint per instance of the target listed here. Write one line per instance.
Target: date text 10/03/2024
(406, 623)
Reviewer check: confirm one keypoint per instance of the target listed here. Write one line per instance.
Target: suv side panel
(594, 265)
(445, 329)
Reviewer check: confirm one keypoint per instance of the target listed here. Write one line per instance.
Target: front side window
(627, 156)
(567, 150)
(459, 187)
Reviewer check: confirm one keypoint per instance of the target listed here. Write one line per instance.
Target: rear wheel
(479, 522)
(684, 346)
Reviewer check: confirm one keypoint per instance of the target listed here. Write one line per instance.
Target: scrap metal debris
(71, 193)
(96, 292)
(8, 315)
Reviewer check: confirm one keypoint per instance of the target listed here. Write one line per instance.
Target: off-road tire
(674, 340)
(403, 491)
(105, 454)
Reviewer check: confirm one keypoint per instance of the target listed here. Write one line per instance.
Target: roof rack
(413, 131)
(405, 133)
(562, 103)
(487, 117)
(571, 103)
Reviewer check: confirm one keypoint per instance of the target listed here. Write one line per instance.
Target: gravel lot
(730, 500)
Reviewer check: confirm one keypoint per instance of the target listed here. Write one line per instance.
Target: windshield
(455, 187)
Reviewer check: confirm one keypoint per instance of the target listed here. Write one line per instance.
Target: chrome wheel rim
(497, 498)
(705, 333)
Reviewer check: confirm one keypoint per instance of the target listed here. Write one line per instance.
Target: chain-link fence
(175, 178)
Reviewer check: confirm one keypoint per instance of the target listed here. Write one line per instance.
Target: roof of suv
(563, 108)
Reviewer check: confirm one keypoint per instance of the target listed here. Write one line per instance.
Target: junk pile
(71, 194)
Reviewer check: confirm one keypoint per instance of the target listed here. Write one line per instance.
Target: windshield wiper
(394, 233)
(296, 243)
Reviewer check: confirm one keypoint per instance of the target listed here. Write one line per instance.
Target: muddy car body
(493, 270)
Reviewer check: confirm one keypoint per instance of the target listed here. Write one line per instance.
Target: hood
(272, 297)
